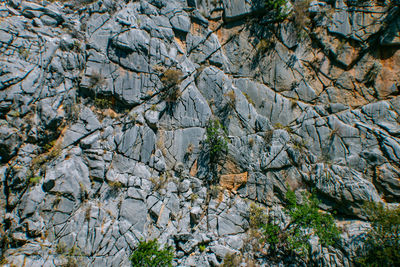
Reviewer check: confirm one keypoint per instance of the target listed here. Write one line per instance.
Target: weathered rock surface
(104, 109)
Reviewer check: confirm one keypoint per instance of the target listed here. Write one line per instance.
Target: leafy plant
(159, 182)
(50, 145)
(14, 113)
(382, 244)
(104, 102)
(279, 6)
(308, 215)
(149, 253)
(38, 161)
(202, 247)
(305, 220)
(257, 216)
(35, 180)
(74, 257)
(217, 140)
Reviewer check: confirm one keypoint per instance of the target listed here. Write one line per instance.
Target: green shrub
(149, 253)
(308, 215)
(382, 244)
(279, 6)
(50, 145)
(35, 180)
(257, 216)
(217, 140)
(202, 248)
(305, 220)
(104, 102)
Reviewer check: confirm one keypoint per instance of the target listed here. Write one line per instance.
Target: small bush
(382, 244)
(268, 136)
(217, 140)
(115, 185)
(194, 197)
(35, 180)
(257, 216)
(23, 52)
(14, 113)
(307, 215)
(171, 79)
(38, 161)
(159, 182)
(279, 6)
(50, 145)
(300, 14)
(96, 79)
(214, 191)
(202, 247)
(104, 102)
(149, 253)
(231, 259)
(305, 220)
(61, 248)
(263, 45)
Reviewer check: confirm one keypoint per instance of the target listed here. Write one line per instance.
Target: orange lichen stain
(110, 113)
(193, 170)
(220, 196)
(60, 109)
(213, 25)
(232, 182)
(196, 29)
(389, 73)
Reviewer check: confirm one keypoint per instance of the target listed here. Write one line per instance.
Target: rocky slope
(104, 107)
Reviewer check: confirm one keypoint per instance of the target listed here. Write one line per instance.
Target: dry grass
(171, 77)
(300, 15)
(96, 79)
(231, 98)
(249, 99)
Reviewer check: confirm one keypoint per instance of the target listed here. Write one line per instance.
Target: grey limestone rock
(137, 143)
(69, 178)
(235, 9)
(316, 108)
(391, 36)
(10, 142)
(134, 211)
(348, 192)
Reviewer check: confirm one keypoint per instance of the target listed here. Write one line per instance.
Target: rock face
(104, 109)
